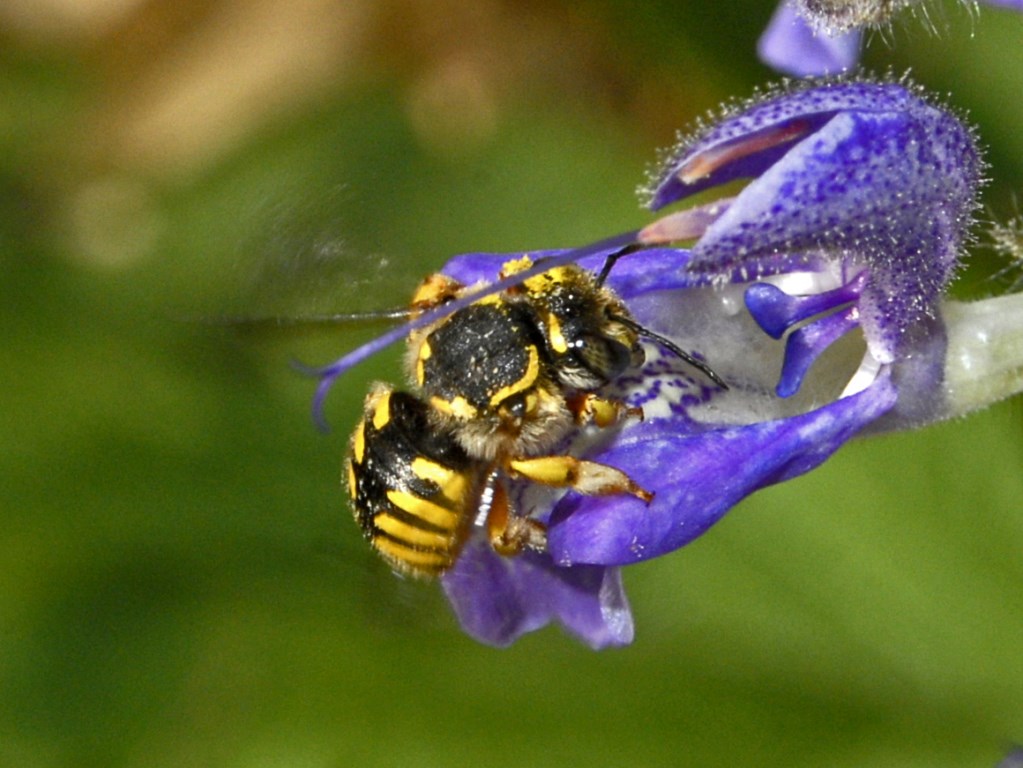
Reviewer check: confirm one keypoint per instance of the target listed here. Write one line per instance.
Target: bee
(498, 383)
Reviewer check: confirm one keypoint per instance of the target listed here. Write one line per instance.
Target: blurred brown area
(169, 90)
(173, 87)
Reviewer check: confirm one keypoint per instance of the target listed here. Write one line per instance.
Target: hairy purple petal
(498, 599)
(877, 176)
(698, 478)
(796, 113)
(791, 45)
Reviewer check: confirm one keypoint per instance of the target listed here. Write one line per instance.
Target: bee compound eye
(601, 358)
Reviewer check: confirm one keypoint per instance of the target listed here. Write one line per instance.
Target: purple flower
(793, 45)
(820, 37)
(816, 293)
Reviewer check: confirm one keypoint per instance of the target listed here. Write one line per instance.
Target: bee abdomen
(412, 487)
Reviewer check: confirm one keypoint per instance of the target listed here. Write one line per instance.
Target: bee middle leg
(508, 532)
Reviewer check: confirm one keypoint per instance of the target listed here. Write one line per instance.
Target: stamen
(704, 164)
(683, 225)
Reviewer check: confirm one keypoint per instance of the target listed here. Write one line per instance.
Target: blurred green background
(181, 581)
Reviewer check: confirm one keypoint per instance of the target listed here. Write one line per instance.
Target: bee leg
(510, 533)
(589, 408)
(587, 477)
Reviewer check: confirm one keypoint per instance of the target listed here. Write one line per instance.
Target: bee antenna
(668, 344)
(612, 259)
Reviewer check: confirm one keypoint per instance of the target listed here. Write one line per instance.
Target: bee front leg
(589, 408)
(586, 477)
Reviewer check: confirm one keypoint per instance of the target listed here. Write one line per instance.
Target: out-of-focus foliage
(182, 584)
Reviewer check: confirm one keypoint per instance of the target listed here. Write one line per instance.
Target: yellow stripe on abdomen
(428, 511)
(409, 533)
(409, 559)
(453, 485)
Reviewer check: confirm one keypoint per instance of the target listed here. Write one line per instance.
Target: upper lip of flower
(866, 172)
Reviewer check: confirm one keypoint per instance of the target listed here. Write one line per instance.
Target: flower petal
(696, 478)
(808, 106)
(651, 269)
(813, 38)
(791, 45)
(498, 599)
(878, 176)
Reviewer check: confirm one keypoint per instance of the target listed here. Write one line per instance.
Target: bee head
(582, 327)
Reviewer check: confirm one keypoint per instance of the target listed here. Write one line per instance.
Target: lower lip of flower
(785, 344)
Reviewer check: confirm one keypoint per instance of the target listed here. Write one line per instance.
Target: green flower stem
(984, 363)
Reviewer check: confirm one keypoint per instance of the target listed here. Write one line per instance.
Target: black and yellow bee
(498, 383)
